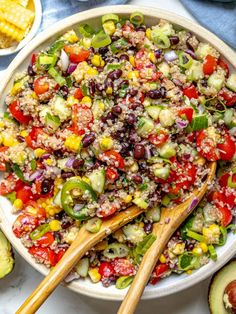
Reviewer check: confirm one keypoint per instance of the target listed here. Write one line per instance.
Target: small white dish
(33, 31)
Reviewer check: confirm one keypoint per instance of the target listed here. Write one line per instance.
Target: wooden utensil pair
(171, 219)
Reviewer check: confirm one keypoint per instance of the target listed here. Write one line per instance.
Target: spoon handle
(171, 219)
(83, 242)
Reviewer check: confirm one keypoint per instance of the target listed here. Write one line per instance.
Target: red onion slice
(71, 68)
(170, 56)
(181, 123)
(191, 53)
(69, 162)
(36, 175)
(193, 203)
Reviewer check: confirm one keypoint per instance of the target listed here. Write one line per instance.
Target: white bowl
(174, 283)
(30, 35)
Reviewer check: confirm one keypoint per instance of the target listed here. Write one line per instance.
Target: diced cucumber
(60, 109)
(164, 68)
(61, 163)
(134, 233)
(97, 178)
(140, 203)
(167, 150)
(231, 82)
(162, 173)
(153, 214)
(52, 122)
(210, 214)
(82, 267)
(57, 76)
(195, 71)
(145, 126)
(153, 111)
(205, 49)
(216, 80)
(166, 29)
(166, 118)
(57, 199)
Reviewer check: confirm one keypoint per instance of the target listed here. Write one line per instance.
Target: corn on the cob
(5, 41)
(24, 3)
(16, 14)
(11, 31)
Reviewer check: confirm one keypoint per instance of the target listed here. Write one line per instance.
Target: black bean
(30, 71)
(88, 139)
(104, 119)
(91, 87)
(174, 40)
(20, 138)
(108, 83)
(64, 91)
(154, 94)
(111, 59)
(31, 86)
(58, 153)
(110, 116)
(133, 92)
(116, 110)
(219, 106)
(114, 75)
(137, 179)
(163, 91)
(99, 88)
(115, 38)
(125, 149)
(148, 227)
(46, 186)
(139, 151)
(77, 163)
(157, 53)
(124, 57)
(92, 49)
(103, 50)
(67, 174)
(143, 166)
(131, 118)
(141, 28)
(66, 224)
(135, 105)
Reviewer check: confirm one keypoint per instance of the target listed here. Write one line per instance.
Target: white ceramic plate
(174, 283)
(31, 34)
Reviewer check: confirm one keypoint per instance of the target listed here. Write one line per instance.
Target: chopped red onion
(45, 156)
(193, 204)
(36, 175)
(181, 123)
(191, 53)
(69, 162)
(148, 153)
(177, 82)
(187, 156)
(170, 56)
(64, 61)
(71, 68)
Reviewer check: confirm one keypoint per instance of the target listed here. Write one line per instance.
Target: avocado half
(217, 296)
(6, 256)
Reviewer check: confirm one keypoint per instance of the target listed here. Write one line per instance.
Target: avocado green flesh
(6, 259)
(217, 287)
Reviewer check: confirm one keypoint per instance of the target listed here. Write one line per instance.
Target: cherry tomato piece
(209, 64)
(41, 86)
(187, 113)
(227, 148)
(158, 139)
(82, 118)
(25, 194)
(78, 93)
(46, 240)
(190, 92)
(112, 174)
(207, 146)
(123, 267)
(45, 254)
(114, 158)
(16, 112)
(224, 66)
(23, 224)
(106, 270)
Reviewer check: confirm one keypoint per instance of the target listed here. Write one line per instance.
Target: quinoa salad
(106, 118)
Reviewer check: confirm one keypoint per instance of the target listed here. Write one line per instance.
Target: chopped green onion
(223, 236)
(199, 122)
(114, 66)
(110, 17)
(57, 76)
(124, 281)
(161, 40)
(94, 225)
(185, 61)
(18, 172)
(136, 18)
(100, 40)
(39, 232)
(188, 261)
(116, 250)
(212, 252)
(33, 164)
(195, 236)
(86, 30)
(185, 228)
(85, 90)
(118, 45)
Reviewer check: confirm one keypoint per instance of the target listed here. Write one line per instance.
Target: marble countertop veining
(15, 288)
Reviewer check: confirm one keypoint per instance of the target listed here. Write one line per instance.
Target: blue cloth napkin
(218, 17)
(54, 10)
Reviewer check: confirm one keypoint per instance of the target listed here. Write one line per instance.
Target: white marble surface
(18, 285)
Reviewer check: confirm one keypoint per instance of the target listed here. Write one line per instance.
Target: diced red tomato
(34, 58)
(82, 118)
(46, 240)
(207, 146)
(33, 208)
(25, 194)
(226, 216)
(31, 139)
(41, 86)
(187, 176)
(228, 96)
(224, 66)
(187, 113)
(158, 139)
(191, 137)
(10, 184)
(16, 112)
(60, 254)
(190, 92)
(77, 54)
(114, 158)
(127, 28)
(209, 64)
(112, 174)
(221, 199)
(159, 272)
(106, 212)
(106, 270)
(78, 93)
(223, 181)
(44, 253)
(123, 267)
(23, 224)
(227, 148)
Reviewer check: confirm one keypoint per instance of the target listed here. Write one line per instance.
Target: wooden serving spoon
(83, 242)
(171, 219)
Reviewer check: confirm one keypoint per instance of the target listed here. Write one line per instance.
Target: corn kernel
(152, 57)
(18, 204)
(86, 42)
(148, 33)
(92, 72)
(141, 224)
(9, 140)
(197, 251)
(109, 27)
(86, 100)
(24, 133)
(127, 199)
(71, 101)
(96, 60)
(109, 90)
(73, 143)
(70, 36)
(49, 162)
(162, 259)
(132, 61)
(101, 105)
(189, 272)
(179, 248)
(101, 245)
(137, 194)
(203, 246)
(17, 88)
(106, 143)
(38, 152)
(102, 63)
(34, 95)
(55, 225)
(133, 75)
(94, 275)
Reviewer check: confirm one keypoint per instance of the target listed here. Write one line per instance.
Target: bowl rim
(33, 31)
(58, 27)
